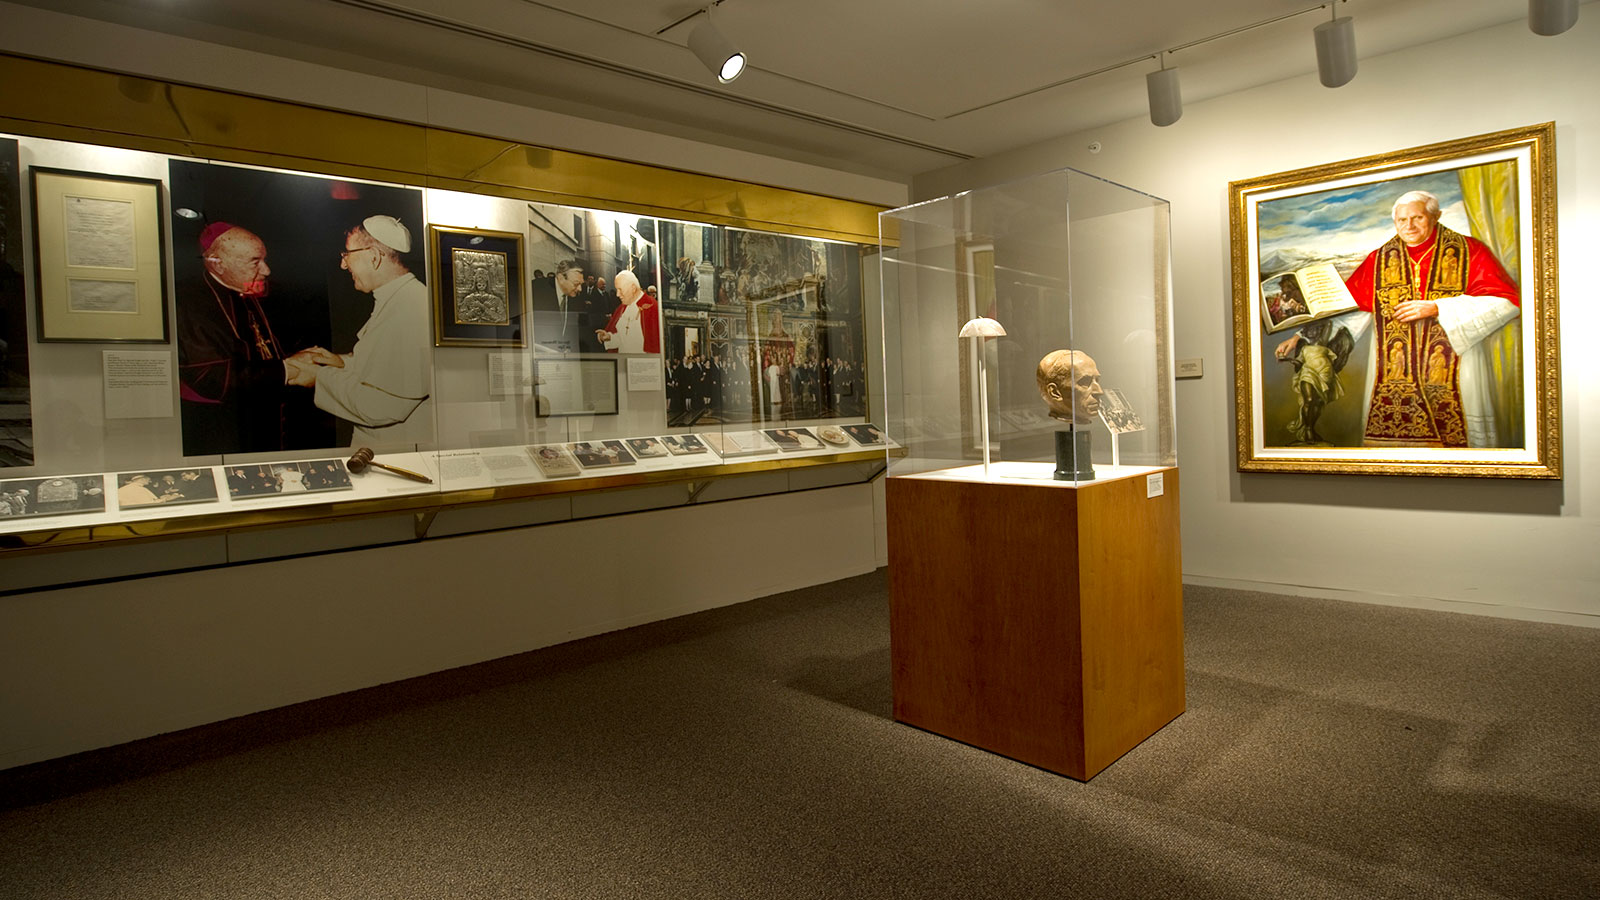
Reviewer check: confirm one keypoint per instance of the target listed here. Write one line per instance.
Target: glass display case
(192, 338)
(1028, 333)
(1035, 571)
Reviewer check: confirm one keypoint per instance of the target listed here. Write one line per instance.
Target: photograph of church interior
(732, 449)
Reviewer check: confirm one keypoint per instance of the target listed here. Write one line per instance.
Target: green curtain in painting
(1490, 192)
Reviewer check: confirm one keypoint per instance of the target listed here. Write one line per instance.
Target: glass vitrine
(1027, 332)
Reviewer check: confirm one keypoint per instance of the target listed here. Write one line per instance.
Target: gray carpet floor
(1329, 750)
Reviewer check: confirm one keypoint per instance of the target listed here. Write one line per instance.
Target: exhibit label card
(1155, 485)
(138, 383)
(505, 374)
(644, 374)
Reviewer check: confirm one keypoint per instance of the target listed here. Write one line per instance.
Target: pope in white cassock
(382, 385)
(1431, 297)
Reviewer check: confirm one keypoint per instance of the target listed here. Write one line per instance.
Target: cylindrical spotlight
(1552, 17)
(716, 51)
(1166, 100)
(1336, 51)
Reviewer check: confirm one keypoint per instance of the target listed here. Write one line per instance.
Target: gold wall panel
(66, 102)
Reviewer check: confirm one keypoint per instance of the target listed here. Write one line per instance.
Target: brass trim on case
(76, 103)
(426, 506)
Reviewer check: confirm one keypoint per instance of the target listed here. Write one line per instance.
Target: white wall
(1522, 549)
(97, 665)
(92, 666)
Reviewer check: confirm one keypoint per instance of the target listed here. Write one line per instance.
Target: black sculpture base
(1072, 445)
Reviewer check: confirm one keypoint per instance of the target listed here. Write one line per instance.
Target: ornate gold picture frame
(479, 298)
(1397, 314)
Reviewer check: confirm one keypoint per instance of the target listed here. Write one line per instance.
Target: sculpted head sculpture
(1069, 381)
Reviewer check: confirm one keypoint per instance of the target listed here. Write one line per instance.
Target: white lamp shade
(1336, 51)
(1552, 17)
(1166, 98)
(982, 327)
(716, 52)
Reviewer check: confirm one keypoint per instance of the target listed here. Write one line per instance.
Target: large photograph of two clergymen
(278, 275)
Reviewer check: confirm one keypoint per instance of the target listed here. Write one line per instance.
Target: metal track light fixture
(1336, 49)
(1552, 17)
(1166, 97)
(714, 49)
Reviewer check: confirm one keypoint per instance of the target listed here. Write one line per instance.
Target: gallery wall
(1524, 549)
(94, 665)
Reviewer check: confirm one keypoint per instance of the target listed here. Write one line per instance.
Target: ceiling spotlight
(1166, 99)
(1336, 50)
(716, 51)
(1552, 17)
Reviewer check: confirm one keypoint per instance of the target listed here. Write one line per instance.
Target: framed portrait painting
(478, 295)
(1397, 314)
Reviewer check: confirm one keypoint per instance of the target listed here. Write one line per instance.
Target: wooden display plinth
(1039, 621)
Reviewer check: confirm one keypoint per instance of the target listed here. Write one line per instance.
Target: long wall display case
(219, 311)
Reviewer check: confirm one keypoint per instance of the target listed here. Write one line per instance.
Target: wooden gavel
(363, 458)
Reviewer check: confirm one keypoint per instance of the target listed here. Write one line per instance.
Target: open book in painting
(1294, 298)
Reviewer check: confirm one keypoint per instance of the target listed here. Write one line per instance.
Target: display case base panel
(1041, 624)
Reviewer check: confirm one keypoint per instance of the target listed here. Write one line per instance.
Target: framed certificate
(99, 257)
(576, 387)
(478, 295)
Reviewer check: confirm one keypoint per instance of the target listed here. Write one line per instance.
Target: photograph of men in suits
(563, 320)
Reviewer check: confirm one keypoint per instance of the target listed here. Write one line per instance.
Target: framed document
(478, 295)
(576, 387)
(99, 257)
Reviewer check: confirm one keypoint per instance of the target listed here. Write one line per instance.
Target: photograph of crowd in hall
(52, 496)
(302, 311)
(595, 281)
(16, 410)
(760, 327)
(165, 487)
(273, 479)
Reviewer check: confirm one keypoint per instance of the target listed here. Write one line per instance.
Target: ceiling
(888, 88)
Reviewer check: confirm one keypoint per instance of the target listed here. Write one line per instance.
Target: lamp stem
(983, 404)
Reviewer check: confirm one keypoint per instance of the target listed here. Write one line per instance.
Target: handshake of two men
(301, 369)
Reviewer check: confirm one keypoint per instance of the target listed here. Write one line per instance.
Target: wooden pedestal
(1038, 621)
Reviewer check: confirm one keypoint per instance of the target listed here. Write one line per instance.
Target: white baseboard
(1521, 613)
